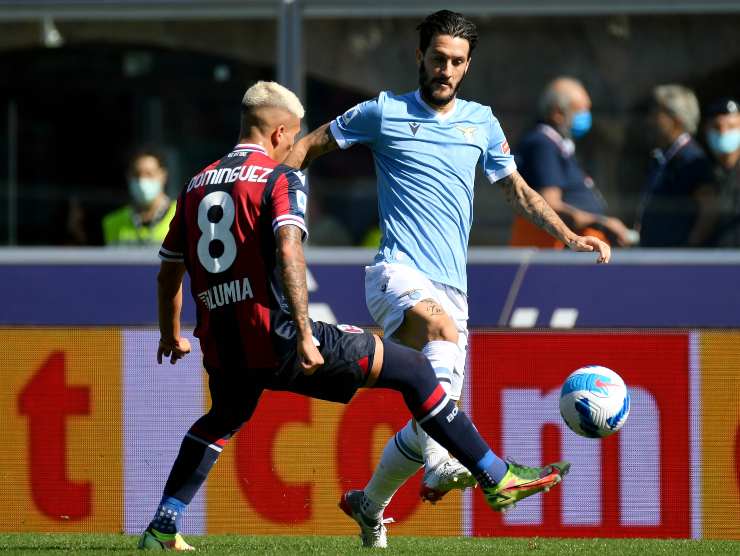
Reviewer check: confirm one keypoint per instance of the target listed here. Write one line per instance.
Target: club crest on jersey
(414, 127)
(468, 132)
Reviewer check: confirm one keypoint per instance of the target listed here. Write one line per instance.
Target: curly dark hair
(445, 22)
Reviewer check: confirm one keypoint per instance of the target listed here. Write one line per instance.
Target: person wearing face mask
(145, 220)
(722, 133)
(546, 159)
(679, 204)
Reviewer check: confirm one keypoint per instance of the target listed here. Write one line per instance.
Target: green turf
(26, 543)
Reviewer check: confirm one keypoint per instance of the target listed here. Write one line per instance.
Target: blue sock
(492, 466)
(167, 518)
(410, 373)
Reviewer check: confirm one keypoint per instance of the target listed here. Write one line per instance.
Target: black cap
(722, 106)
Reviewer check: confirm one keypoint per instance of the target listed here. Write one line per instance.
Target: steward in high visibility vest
(147, 218)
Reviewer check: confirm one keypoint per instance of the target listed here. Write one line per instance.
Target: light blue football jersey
(425, 164)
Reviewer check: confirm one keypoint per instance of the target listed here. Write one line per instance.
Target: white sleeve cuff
(338, 136)
(170, 256)
(291, 219)
(497, 175)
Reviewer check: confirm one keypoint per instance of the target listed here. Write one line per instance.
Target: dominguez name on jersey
(226, 293)
(216, 176)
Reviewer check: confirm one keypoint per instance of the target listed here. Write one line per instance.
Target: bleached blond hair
(269, 94)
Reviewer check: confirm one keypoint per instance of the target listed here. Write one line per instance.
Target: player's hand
(174, 349)
(591, 243)
(309, 357)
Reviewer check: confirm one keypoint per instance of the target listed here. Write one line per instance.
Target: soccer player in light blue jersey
(426, 145)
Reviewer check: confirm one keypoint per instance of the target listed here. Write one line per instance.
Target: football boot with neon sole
(372, 531)
(521, 482)
(448, 475)
(154, 540)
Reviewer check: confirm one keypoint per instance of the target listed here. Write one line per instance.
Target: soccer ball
(594, 402)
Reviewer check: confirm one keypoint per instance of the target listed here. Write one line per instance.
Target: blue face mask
(581, 124)
(144, 190)
(723, 143)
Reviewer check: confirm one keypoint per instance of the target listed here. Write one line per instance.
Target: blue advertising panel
(507, 288)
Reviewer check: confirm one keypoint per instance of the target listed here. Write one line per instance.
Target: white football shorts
(391, 289)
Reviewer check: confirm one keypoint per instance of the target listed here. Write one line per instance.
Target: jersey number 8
(216, 246)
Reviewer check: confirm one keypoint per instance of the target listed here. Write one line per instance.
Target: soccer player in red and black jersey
(238, 232)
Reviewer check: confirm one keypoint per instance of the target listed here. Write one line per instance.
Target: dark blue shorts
(348, 354)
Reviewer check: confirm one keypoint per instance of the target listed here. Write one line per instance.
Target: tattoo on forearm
(319, 142)
(293, 272)
(432, 308)
(530, 204)
(325, 144)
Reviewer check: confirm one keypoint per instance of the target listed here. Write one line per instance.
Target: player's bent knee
(447, 332)
(426, 322)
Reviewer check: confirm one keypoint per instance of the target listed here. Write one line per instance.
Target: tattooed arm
(530, 204)
(292, 266)
(320, 141)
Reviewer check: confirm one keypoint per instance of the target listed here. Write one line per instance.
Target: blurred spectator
(546, 159)
(325, 228)
(679, 205)
(147, 218)
(75, 232)
(722, 132)
(372, 237)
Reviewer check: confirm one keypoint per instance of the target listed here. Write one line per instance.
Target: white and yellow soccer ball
(594, 402)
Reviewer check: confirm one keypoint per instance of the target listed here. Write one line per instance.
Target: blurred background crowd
(625, 119)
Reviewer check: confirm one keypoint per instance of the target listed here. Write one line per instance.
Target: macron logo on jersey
(301, 200)
(414, 127)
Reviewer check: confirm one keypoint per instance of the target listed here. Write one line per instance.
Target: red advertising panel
(285, 471)
(633, 484)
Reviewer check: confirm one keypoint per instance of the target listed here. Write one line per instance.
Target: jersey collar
(664, 156)
(566, 146)
(432, 111)
(680, 142)
(250, 147)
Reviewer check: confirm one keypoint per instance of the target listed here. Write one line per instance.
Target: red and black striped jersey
(224, 231)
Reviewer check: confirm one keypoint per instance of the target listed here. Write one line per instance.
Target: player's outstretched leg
(442, 473)
(503, 484)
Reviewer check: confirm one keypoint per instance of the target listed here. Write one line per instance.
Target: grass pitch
(46, 543)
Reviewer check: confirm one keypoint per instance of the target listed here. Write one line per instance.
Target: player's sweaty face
(442, 68)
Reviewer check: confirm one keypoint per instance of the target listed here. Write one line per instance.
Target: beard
(426, 86)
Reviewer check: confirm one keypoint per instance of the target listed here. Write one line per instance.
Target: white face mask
(144, 190)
